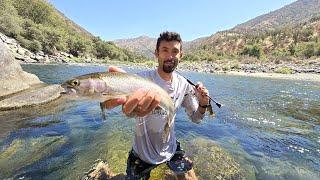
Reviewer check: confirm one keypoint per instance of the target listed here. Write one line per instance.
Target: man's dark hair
(169, 36)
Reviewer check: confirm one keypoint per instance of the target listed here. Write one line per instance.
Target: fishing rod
(196, 86)
(189, 81)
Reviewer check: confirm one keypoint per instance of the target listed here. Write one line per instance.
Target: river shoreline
(315, 77)
(305, 70)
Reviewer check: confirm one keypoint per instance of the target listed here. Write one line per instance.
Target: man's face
(168, 55)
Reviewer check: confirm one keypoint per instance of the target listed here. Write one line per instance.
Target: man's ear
(181, 54)
(156, 53)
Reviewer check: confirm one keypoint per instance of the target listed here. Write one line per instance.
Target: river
(269, 126)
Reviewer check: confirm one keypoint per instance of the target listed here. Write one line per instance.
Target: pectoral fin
(104, 104)
(103, 111)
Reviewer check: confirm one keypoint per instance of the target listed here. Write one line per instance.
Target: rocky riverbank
(246, 67)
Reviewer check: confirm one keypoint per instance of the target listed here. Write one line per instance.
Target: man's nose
(170, 56)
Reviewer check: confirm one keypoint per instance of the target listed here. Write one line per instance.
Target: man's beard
(170, 67)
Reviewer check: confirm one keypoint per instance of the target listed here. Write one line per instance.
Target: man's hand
(140, 103)
(203, 94)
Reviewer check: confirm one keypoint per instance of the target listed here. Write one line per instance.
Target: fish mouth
(67, 89)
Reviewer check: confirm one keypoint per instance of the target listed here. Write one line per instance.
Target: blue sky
(121, 19)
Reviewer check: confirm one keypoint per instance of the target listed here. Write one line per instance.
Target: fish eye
(75, 82)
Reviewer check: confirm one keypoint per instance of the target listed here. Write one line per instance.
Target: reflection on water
(269, 127)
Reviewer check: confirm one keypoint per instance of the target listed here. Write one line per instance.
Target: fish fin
(210, 110)
(106, 96)
(166, 133)
(91, 90)
(160, 108)
(103, 111)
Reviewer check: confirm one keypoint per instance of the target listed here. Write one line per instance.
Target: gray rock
(10, 41)
(40, 53)
(32, 96)
(19, 88)
(21, 51)
(29, 60)
(12, 78)
(39, 58)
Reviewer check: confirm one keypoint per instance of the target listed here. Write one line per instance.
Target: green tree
(317, 49)
(252, 50)
(10, 23)
(305, 49)
(79, 45)
(55, 40)
(36, 10)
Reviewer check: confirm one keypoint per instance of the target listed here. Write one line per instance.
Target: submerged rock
(101, 170)
(23, 152)
(212, 162)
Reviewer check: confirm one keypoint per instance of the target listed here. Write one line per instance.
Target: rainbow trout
(105, 86)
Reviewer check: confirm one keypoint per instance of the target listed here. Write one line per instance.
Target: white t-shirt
(148, 143)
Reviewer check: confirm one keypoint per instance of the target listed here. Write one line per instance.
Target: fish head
(85, 87)
(71, 87)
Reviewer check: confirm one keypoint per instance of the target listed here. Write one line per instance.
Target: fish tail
(167, 127)
(209, 108)
(166, 132)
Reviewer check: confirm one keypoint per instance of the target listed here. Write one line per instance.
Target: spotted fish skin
(112, 85)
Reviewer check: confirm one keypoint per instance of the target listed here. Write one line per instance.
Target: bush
(32, 32)
(9, 20)
(305, 49)
(317, 49)
(23, 41)
(280, 53)
(55, 40)
(235, 65)
(36, 10)
(34, 46)
(284, 70)
(225, 67)
(252, 50)
(78, 45)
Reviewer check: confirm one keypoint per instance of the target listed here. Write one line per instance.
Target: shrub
(34, 46)
(284, 70)
(305, 49)
(252, 50)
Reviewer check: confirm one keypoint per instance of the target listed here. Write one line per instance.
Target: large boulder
(19, 88)
(13, 79)
(32, 96)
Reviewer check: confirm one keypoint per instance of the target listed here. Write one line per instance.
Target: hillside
(146, 45)
(289, 34)
(41, 28)
(293, 14)
(142, 44)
